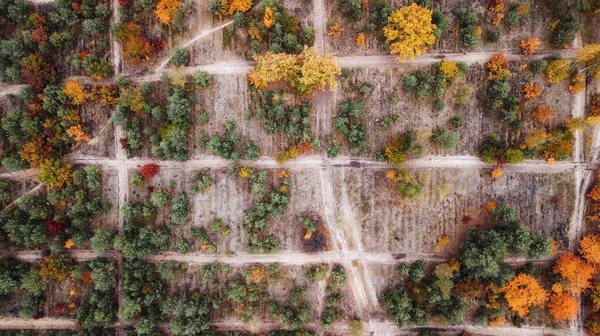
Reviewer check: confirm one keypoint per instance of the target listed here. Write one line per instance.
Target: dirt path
(115, 49)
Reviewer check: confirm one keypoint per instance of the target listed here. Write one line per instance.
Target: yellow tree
(316, 71)
(589, 57)
(239, 6)
(273, 67)
(409, 31)
(165, 10)
(56, 173)
(76, 92)
(522, 292)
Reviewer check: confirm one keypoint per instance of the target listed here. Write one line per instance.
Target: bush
(316, 273)
(201, 78)
(160, 197)
(338, 277)
(444, 139)
(180, 57)
(180, 209)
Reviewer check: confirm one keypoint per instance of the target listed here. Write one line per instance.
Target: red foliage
(466, 219)
(55, 228)
(149, 171)
(157, 44)
(124, 144)
(150, 190)
(36, 71)
(123, 3)
(38, 34)
(59, 308)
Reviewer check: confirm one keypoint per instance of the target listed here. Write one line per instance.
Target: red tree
(149, 171)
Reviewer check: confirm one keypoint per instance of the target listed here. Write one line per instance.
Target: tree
(522, 292)
(55, 267)
(56, 173)
(180, 57)
(409, 31)
(136, 47)
(180, 209)
(268, 18)
(201, 78)
(482, 253)
(75, 91)
(563, 307)
(530, 45)
(576, 271)
(542, 114)
(190, 315)
(159, 198)
(558, 70)
(102, 240)
(531, 91)
(150, 170)
(589, 247)
(403, 311)
(36, 71)
(166, 9)
(498, 67)
(589, 57)
(306, 71)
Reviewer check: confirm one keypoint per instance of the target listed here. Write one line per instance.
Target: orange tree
(166, 9)
(563, 307)
(589, 247)
(409, 31)
(522, 292)
(576, 271)
(75, 91)
(136, 47)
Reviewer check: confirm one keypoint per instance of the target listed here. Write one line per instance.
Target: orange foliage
(542, 114)
(238, 6)
(78, 134)
(497, 67)
(496, 5)
(335, 30)
(576, 271)
(54, 267)
(590, 248)
(577, 84)
(108, 94)
(496, 173)
(38, 33)
(360, 40)
(522, 292)
(268, 18)
(303, 147)
(35, 152)
(530, 45)
(76, 92)
(594, 109)
(563, 307)
(531, 91)
(490, 206)
(136, 47)
(165, 10)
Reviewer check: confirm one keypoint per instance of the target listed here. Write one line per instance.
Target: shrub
(180, 57)
(201, 78)
(149, 171)
(180, 209)
(316, 273)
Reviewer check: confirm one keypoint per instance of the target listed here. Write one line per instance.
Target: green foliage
(180, 209)
(309, 224)
(201, 78)
(417, 271)
(565, 32)
(180, 57)
(189, 314)
(296, 314)
(225, 145)
(30, 305)
(333, 151)
(292, 121)
(102, 240)
(350, 122)
(160, 197)
(143, 242)
(444, 139)
(402, 309)
(514, 16)
(387, 122)
(202, 180)
(338, 277)
(316, 273)
(468, 22)
(352, 8)
(538, 66)
(251, 150)
(137, 180)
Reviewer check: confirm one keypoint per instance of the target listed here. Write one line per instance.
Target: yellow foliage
(409, 31)
(477, 31)
(268, 18)
(273, 67)
(245, 172)
(73, 291)
(284, 173)
(76, 92)
(69, 243)
(442, 242)
(536, 139)
(558, 70)
(557, 288)
(449, 68)
(293, 152)
(360, 40)
(522, 292)
(35, 152)
(165, 10)
(589, 56)
(335, 30)
(56, 173)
